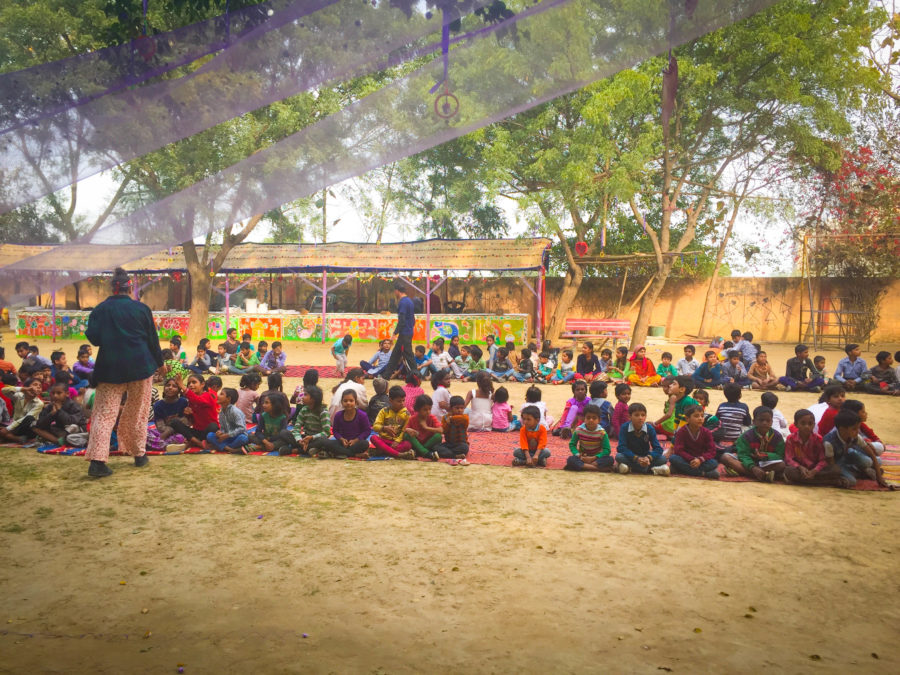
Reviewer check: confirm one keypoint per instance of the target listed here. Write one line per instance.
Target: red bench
(594, 329)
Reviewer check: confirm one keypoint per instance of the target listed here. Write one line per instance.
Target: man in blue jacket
(406, 323)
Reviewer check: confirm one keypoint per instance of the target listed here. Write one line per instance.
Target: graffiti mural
(294, 327)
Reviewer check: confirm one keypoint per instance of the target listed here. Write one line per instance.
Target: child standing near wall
(340, 351)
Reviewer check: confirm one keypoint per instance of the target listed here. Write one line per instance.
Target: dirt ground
(224, 563)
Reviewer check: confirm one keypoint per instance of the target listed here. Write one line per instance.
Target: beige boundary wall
(769, 307)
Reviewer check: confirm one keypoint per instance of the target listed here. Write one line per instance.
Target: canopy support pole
(227, 305)
(540, 308)
(53, 304)
(324, 301)
(427, 307)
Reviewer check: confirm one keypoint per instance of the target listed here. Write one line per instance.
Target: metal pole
(53, 319)
(227, 305)
(427, 307)
(136, 289)
(539, 316)
(324, 301)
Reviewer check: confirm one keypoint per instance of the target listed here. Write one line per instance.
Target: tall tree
(786, 77)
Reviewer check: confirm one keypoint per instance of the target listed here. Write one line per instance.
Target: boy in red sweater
(694, 451)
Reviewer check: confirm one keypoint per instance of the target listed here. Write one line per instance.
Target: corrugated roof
(431, 254)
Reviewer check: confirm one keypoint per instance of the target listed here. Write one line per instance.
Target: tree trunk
(199, 313)
(642, 323)
(574, 277)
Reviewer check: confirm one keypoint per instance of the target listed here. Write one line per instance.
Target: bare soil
(409, 567)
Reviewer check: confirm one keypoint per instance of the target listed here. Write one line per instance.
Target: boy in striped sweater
(590, 444)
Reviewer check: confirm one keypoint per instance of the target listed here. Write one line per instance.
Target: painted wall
(769, 307)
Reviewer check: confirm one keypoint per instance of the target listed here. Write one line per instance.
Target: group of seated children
(232, 357)
(828, 444)
(45, 399)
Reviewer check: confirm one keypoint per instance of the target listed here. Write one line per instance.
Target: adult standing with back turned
(406, 323)
(128, 355)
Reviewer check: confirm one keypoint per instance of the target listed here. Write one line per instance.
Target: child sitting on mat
(424, 429)
(413, 390)
(694, 451)
(455, 425)
(390, 427)
(232, 434)
(532, 448)
(620, 411)
(639, 450)
(27, 406)
(351, 430)
(590, 444)
(779, 422)
(248, 394)
(202, 409)
(759, 450)
(310, 378)
(271, 432)
(573, 412)
(479, 402)
(60, 417)
(865, 431)
(598, 395)
(380, 400)
(804, 455)
(501, 410)
(313, 425)
(761, 375)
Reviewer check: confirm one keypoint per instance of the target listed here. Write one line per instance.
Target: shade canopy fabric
(489, 255)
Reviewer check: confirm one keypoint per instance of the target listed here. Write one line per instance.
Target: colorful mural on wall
(295, 327)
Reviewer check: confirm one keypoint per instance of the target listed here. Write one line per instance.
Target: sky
(775, 260)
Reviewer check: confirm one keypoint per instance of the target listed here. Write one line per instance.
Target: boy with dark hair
(246, 360)
(733, 414)
(708, 373)
(804, 455)
(455, 424)
(60, 417)
(589, 444)
(851, 370)
(639, 450)
(274, 360)
(200, 363)
(525, 370)
(761, 374)
(674, 411)
(798, 375)
(27, 406)
(688, 364)
(693, 450)
(231, 342)
(665, 367)
(849, 451)
(734, 371)
(598, 393)
(819, 368)
(532, 448)
(759, 450)
(779, 421)
(883, 379)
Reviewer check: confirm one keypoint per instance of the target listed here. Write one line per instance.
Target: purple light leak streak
(85, 78)
(116, 129)
(389, 125)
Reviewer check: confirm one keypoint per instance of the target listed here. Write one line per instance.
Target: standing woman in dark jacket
(127, 358)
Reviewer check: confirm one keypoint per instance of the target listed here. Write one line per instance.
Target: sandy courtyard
(406, 567)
